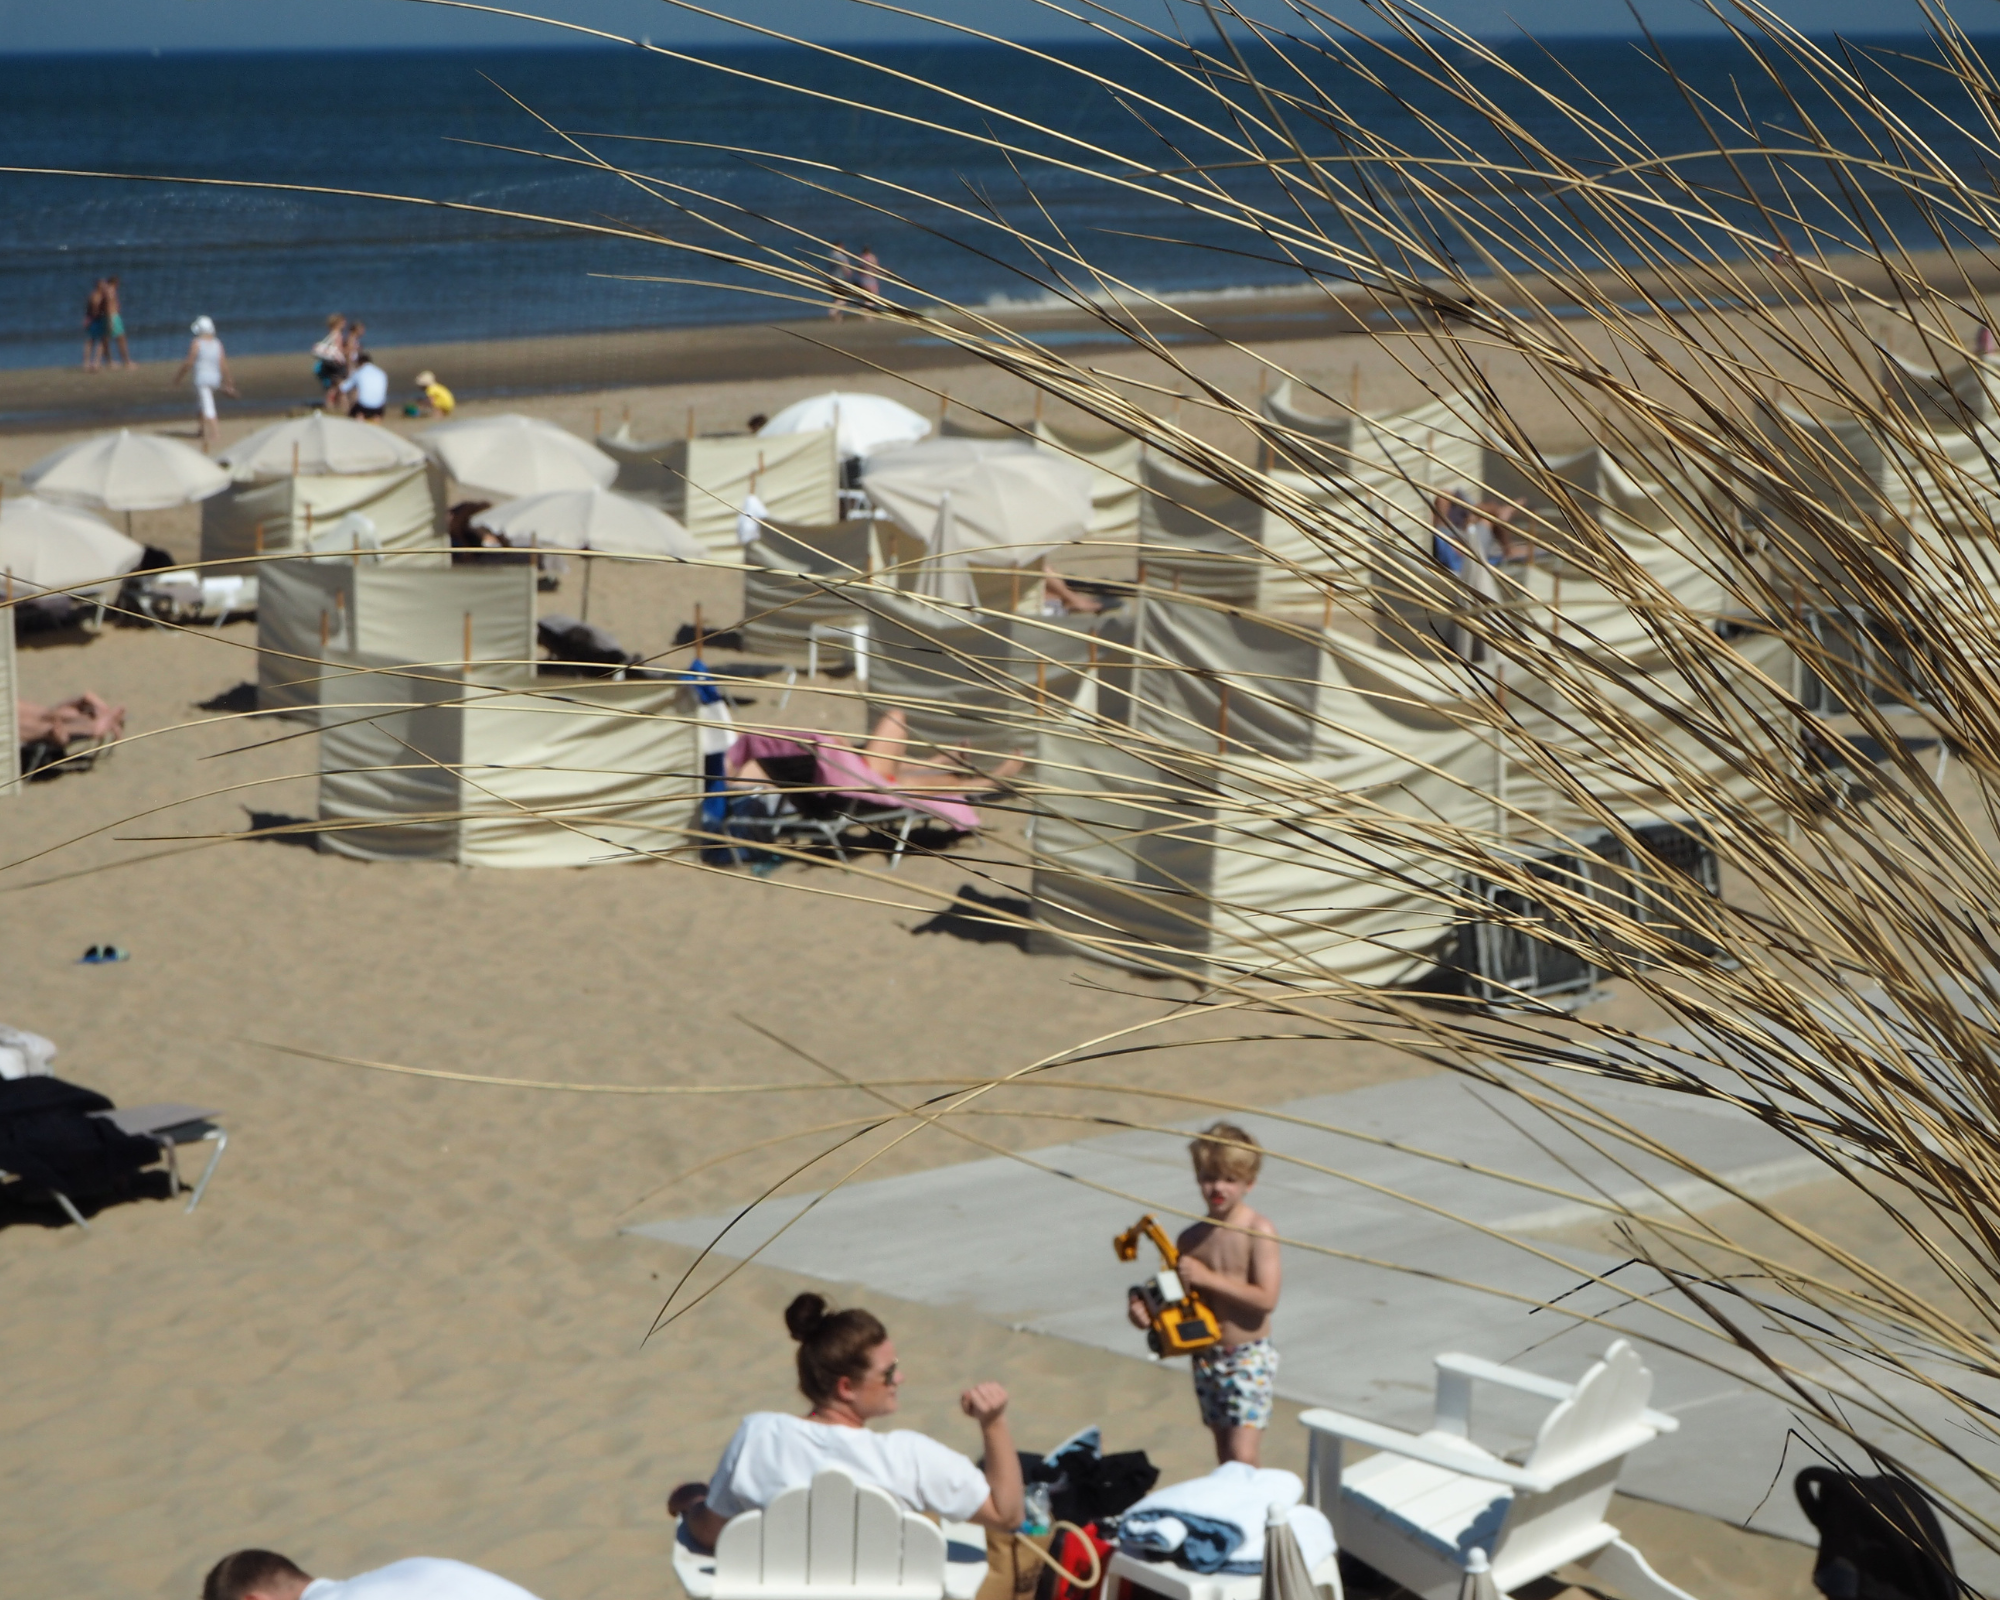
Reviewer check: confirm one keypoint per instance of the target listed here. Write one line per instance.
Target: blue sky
(83, 25)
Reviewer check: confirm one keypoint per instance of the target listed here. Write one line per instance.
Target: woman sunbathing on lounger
(87, 716)
(849, 1372)
(888, 759)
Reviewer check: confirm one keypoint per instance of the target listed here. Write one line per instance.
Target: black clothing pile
(49, 1139)
(1879, 1538)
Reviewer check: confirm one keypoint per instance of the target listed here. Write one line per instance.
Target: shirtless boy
(1232, 1261)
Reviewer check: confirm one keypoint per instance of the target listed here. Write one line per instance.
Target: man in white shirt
(369, 385)
(266, 1575)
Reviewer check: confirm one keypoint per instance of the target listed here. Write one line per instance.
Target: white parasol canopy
(515, 455)
(317, 446)
(863, 423)
(979, 503)
(126, 471)
(591, 519)
(44, 545)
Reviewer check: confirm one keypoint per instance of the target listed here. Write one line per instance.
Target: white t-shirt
(419, 1578)
(369, 385)
(773, 1452)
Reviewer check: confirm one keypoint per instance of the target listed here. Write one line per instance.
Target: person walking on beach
(114, 323)
(209, 363)
(330, 359)
(869, 274)
(1231, 1260)
(844, 269)
(93, 325)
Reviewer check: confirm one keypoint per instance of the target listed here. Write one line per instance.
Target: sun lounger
(54, 1155)
(170, 1125)
(827, 794)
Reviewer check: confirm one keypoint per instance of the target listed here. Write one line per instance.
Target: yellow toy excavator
(1181, 1320)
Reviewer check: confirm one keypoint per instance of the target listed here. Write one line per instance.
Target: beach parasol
(974, 502)
(44, 545)
(126, 471)
(591, 519)
(319, 445)
(515, 455)
(1285, 1574)
(862, 423)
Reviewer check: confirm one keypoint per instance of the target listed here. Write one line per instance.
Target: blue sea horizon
(439, 125)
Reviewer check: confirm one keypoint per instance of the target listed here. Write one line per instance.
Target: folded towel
(1216, 1523)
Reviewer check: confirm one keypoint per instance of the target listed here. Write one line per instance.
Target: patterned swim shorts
(1234, 1382)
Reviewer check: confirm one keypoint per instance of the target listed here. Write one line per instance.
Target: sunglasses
(890, 1374)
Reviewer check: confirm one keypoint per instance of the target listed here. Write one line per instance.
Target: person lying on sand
(86, 716)
(849, 1372)
(887, 754)
(266, 1575)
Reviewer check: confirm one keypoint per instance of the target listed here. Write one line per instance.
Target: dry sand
(403, 1320)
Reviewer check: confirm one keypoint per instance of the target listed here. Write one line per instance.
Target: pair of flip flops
(99, 955)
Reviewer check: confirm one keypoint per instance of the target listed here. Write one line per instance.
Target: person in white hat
(433, 398)
(210, 366)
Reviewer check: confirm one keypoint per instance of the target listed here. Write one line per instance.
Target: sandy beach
(403, 1320)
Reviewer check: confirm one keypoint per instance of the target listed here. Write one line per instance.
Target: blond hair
(1226, 1151)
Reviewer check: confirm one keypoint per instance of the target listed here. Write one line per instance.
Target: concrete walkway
(1027, 1240)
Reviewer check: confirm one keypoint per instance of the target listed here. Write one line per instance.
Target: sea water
(764, 150)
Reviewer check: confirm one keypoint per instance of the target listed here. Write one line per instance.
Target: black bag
(1878, 1538)
(1086, 1487)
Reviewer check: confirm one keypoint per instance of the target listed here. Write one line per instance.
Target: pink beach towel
(844, 771)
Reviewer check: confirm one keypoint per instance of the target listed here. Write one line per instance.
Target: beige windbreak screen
(1238, 852)
(249, 519)
(976, 681)
(1113, 459)
(314, 606)
(705, 480)
(504, 770)
(1206, 822)
(10, 755)
(799, 590)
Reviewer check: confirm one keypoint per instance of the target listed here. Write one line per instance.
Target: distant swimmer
(114, 323)
(210, 366)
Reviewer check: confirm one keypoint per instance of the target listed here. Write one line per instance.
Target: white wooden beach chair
(1418, 1509)
(835, 1537)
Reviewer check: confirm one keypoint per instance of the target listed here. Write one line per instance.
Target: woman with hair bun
(849, 1372)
